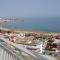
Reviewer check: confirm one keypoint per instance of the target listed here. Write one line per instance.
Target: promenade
(9, 54)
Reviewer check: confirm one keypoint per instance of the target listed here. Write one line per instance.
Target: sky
(29, 8)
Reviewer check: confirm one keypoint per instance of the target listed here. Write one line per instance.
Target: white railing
(9, 54)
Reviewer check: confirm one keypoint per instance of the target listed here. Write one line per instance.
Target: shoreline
(28, 31)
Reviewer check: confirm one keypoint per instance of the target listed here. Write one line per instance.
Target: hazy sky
(30, 8)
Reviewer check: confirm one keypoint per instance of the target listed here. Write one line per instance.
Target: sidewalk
(49, 57)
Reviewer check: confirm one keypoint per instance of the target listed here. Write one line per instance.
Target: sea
(34, 24)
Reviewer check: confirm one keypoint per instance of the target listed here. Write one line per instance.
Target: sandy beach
(29, 31)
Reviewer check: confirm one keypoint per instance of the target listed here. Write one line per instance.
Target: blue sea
(35, 24)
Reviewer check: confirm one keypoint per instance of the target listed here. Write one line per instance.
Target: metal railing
(10, 54)
(7, 54)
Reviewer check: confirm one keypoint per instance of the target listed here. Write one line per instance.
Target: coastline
(28, 31)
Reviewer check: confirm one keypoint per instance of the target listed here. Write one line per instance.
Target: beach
(28, 31)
